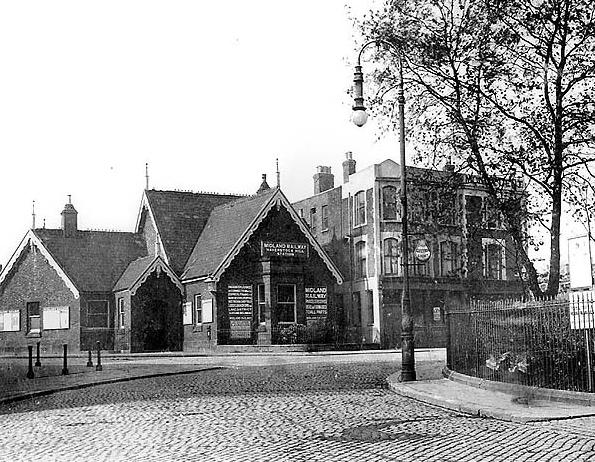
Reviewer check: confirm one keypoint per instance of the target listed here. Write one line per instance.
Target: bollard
(30, 374)
(98, 367)
(90, 361)
(65, 367)
(38, 362)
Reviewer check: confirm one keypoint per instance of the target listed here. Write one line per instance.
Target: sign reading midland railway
(284, 249)
(316, 304)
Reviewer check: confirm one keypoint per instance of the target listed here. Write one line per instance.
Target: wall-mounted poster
(284, 249)
(316, 304)
(239, 306)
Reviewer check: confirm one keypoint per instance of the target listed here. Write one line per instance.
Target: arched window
(360, 260)
(390, 209)
(359, 208)
(392, 256)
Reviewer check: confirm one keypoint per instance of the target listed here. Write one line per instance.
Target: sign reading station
(239, 305)
(284, 249)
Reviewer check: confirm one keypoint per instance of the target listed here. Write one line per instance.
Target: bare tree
(505, 88)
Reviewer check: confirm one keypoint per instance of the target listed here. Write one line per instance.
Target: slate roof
(180, 218)
(93, 260)
(134, 270)
(224, 228)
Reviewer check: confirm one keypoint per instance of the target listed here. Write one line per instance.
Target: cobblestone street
(297, 412)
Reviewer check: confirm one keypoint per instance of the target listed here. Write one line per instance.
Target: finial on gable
(278, 173)
(33, 216)
(146, 175)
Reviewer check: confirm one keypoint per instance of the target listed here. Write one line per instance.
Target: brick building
(200, 270)
(359, 225)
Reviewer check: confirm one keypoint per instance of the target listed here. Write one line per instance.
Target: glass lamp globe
(360, 117)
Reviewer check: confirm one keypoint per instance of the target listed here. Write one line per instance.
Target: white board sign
(579, 262)
(187, 313)
(55, 317)
(207, 310)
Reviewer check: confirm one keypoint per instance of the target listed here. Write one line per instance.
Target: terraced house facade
(451, 221)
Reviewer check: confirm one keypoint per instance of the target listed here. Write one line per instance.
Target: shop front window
(286, 307)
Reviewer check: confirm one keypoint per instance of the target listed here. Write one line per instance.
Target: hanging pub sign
(239, 306)
(316, 304)
(422, 251)
(284, 249)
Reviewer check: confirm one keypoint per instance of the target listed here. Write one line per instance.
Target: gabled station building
(200, 270)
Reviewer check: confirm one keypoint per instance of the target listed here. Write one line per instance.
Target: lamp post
(359, 118)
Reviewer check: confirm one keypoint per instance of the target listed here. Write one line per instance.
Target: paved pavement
(294, 410)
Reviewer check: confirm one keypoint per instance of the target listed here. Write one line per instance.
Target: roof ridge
(197, 193)
(90, 230)
(240, 200)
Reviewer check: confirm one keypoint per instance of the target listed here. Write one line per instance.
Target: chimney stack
(264, 186)
(323, 179)
(69, 219)
(348, 166)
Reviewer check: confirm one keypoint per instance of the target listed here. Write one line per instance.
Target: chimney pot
(69, 219)
(323, 179)
(348, 166)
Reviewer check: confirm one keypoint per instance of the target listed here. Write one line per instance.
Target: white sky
(209, 93)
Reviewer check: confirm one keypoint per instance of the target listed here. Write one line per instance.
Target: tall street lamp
(359, 118)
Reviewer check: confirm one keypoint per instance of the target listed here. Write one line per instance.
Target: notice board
(316, 304)
(239, 305)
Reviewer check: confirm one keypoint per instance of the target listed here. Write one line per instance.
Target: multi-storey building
(359, 225)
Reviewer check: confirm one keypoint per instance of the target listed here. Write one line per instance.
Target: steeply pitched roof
(133, 272)
(231, 225)
(180, 218)
(138, 271)
(224, 228)
(93, 260)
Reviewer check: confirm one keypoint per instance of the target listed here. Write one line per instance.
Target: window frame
(500, 244)
(120, 303)
(313, 219)
(324, 218)
(197, 310)
(386, 204)
(283, 303)
(37, 316)
(359, 209)
(453, 259)
(260, 303)
(394, 258)
(95, 315)
(361, 260)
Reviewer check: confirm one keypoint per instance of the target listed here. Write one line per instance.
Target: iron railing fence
(299, 334)
(544, 343)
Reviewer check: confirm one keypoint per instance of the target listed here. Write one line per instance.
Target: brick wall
(196, 336)
(34, 280)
